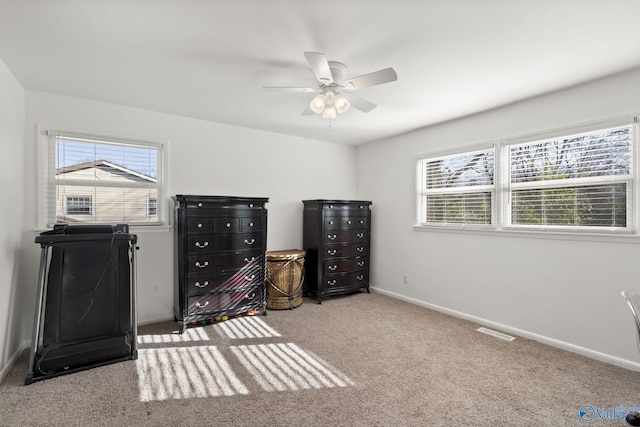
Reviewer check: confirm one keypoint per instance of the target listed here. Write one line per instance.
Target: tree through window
(577, 181)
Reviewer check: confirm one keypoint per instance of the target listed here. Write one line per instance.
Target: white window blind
(582, 181)
(457, 189)
(102, 180)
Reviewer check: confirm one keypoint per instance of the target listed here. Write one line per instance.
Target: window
(457, 190)
(101, 180)
(152, 206)
(576, 182)
(78, 205)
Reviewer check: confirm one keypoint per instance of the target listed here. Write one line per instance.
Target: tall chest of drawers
(220, 245)
(336, 238)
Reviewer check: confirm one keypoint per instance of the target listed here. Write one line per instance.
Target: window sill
(538, 234)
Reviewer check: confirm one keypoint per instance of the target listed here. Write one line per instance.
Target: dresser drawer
(224, 301)
(345, 250)
(208, 263)
(345, 222)
(197, 205)
(346, 280)
(224, 225)
(250, 223)
(339, 207)
(223, 242)
(198, 284)
(345, 236)
(199, 225)
(345, 265)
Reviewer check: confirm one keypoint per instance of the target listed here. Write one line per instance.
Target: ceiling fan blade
(376, 78)
(320, 67)
(360, 103)
(288, 89)
(307, 112)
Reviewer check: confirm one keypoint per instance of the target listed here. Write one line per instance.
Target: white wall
(204, 158)
(11, 217)
(562, 292)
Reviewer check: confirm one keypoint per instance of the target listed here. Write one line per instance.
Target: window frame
(502, 195)
(423, 192)
(89, 198)
(46, 185)
(628, 180)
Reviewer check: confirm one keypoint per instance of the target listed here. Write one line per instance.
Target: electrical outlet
(406, 279)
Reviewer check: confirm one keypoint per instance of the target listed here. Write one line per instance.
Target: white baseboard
(12, 361)
(592, 354)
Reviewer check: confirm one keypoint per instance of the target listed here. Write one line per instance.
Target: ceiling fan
(333, 91)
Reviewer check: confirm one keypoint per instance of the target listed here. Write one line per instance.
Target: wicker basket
(285, 274)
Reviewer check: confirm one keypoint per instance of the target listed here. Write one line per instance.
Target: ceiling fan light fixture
(329, 112)
(330, 82)
(342, 103)
(318, 103)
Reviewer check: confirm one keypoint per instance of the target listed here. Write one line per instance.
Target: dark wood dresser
(336, 237)
(220, 245)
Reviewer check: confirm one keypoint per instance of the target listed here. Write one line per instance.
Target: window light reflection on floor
(193, 334)
(191, 371)
(185, 372)
(246, 327)
(285, 366)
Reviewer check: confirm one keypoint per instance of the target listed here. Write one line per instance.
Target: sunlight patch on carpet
(185, 372)
(194, 334)
(246, 327)
(285, 366)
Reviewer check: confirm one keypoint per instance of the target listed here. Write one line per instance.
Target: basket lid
(285, 255)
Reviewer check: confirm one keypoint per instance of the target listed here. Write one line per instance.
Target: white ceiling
(209, 59)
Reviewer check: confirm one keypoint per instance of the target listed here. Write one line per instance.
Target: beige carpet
(357, 360)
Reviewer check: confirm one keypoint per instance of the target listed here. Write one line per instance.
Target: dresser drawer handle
(349, 222)
(249, 278)
(228, 225)
(202, 245)
(332, 251)
(331, 282)
(360, 277)
(250, 224)
(199, 225)
(333, 267)
(249, 260)
(360, 249)
(362, 221)
(206, 263)
(330, 222)
(250, 205)
(360, 263)
(249, 242)
(199, 205)
(360, 235)
(251, 295)
(332, 236)
(202, 285)
(202, 305)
